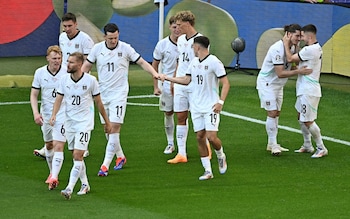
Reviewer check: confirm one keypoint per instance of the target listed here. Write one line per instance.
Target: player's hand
(162, 77)
(38, 119)
(156, 76)
(108, 127)
(286, 38)
(217, 108)
(52, 120)
(157, 91)
(305, 71)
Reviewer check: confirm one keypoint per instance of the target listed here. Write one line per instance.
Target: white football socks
(181, 138)
(206, 164)
(74, 174)
(49, 156)
(271, 130)
(111, 149)
(306, 134)
(57, 162)
(316, 134)
(169, 128)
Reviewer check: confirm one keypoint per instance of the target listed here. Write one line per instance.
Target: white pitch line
(281, 127)
(223, 113)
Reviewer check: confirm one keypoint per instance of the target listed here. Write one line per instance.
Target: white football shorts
(115, 110)
(271, 99)
(181, 98)
(166, 100)
(56, 132)
(205, 121)
(307, 107)
(78, 140)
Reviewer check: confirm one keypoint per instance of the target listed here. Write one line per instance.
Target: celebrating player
(112, 57)
(166, 53)
(71, 40)
(185, 21)
(272, 77)
(205, 72)
(79, 91)
(46, 80)
(308, 90)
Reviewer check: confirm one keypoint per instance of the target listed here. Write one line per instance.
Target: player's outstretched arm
(147, 67)
(282, 73)
(156, 90)
(184, 80)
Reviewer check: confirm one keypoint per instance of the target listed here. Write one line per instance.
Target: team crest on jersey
(278, 58)
(120, 54)
(84, 87)
(206, 67)
(76, 46)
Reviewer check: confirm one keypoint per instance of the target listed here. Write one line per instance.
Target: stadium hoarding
(256, 21)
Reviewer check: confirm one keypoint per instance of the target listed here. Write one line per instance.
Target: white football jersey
(78, 97)
(113, 68)
(166, 52)
(48, 83)
(310, 56)
(205, 76)
(82, 43)
(267, 75)
(186, 53)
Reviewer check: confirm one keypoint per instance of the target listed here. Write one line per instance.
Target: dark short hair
(172, 20)
(202, 40)
(309, 28)
(292, 28)
(110, 27)
(69, 17)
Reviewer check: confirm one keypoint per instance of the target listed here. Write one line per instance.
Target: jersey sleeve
(219, 68)
(132, 54)
(60, 86)
(188, 71)
(36, 80)
(95, 90)
(157, 55)
(88, 43)
(276, 55)
(305, 54)
(92, 54)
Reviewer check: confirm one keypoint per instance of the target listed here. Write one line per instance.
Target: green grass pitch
(256, 185)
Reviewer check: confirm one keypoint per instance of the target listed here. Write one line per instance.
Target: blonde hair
(78, 55)
(55, 49)
(185, 16)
